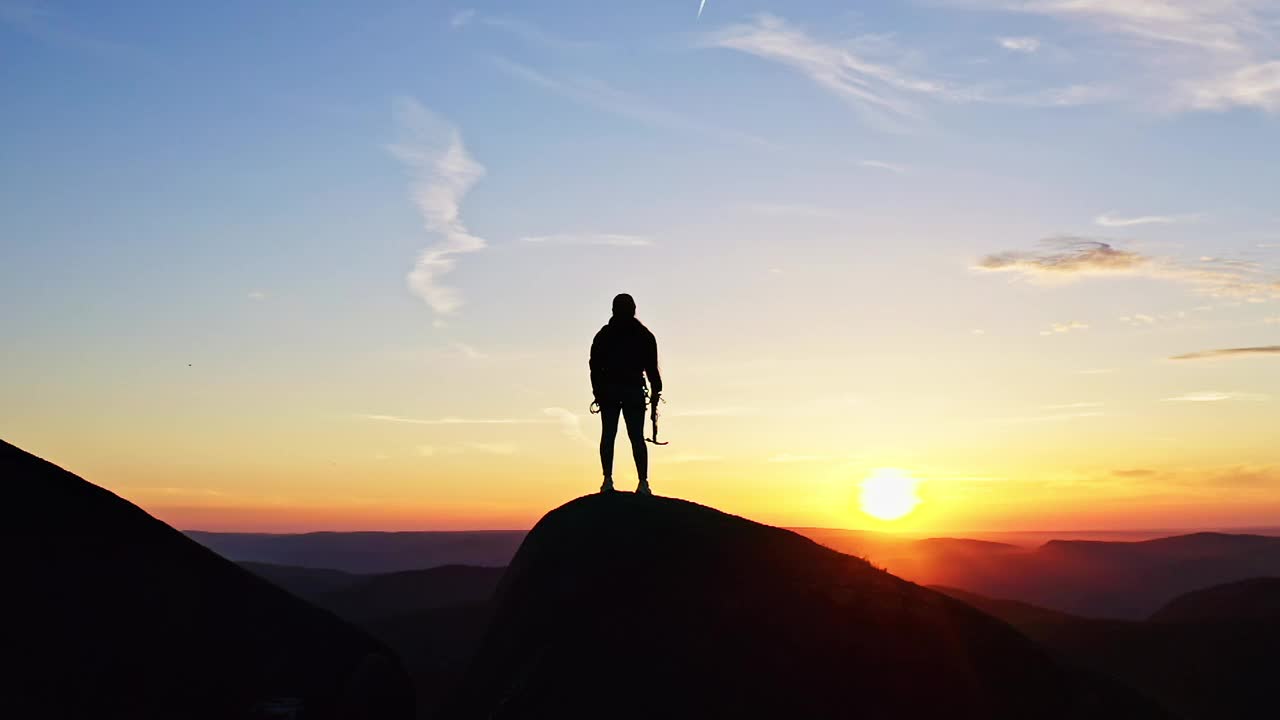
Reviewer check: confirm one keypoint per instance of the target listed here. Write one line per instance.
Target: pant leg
(608, 432)
(633, 413)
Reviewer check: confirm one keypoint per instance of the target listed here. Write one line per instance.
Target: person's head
(624, 306)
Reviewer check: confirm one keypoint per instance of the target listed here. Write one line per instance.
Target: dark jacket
(621, 354)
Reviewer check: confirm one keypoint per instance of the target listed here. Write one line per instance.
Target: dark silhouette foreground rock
(110, 613)
(627, 606)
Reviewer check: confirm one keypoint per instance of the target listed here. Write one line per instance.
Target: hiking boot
(607, 487)
(643, 488)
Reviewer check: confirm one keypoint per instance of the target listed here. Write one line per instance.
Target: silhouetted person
(622, 354)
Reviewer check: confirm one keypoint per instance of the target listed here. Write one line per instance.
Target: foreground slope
(1209, 656)
(1256, 599)
(111, 613)
(626, 606)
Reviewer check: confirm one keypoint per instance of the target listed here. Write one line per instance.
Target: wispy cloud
(1072, 95)
(606, 239)
(1253, 85)
(601, 96)
(1074, 406)
(691, 458)
(1053, 417)
(1066, 327)
(523, 30)
(732, 411)
(878, 88)
(466, 447)
(1215, 396)
(794, 458)
(570, 422)
(490, 448)
(1066, 256)
(461, 18)
(1186, 54)
(881, 165)
(1258, 481)
(442, 173)
(797, 210)
(467, 351)
(1065, 259)
(455, 350)
(1023, 44)
(257, 295)
(1218, 25)
(452, 420)
(1113, 220)
(1139, 319)
(40, 20)
(198, 492)
(1261, 350)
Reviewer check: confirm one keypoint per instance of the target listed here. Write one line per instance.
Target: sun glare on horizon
(889, 494)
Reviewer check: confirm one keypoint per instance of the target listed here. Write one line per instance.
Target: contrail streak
(700, 6)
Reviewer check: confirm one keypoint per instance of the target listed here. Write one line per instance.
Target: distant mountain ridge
(410, 591)
(1091, 578)
(301, 581)
(367, 552)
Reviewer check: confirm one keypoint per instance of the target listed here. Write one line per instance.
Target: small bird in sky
(700, 6)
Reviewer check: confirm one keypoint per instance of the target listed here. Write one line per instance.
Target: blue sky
(949, 211)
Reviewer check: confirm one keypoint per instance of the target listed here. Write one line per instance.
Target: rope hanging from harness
(653, 414)
(650, 402)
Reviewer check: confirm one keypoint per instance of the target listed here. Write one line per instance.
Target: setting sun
(889, 494)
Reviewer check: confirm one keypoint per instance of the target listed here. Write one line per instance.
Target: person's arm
(651, 365)
(595, 363)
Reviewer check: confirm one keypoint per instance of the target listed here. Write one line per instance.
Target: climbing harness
(650, 402)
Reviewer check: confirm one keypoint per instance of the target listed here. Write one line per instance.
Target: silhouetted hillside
(1223, 669)
(302, 581)
(435, 645)
(433, 619)
(625, 606)
(113, 614)
(361, 598)
(1255, 599)
(367, 552)
(412, 591)
(1011, 611)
